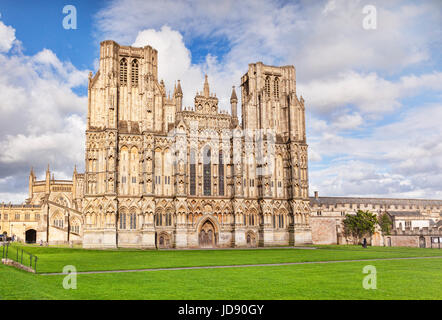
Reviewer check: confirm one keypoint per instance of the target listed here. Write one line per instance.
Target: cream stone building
(160, 175)
(415, 222)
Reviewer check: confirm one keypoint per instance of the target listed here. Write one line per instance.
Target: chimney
(316, 195)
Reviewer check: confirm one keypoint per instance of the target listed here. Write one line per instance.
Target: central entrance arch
(31, 236)
(207, 235)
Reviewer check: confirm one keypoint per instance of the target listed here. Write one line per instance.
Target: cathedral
(160, 175)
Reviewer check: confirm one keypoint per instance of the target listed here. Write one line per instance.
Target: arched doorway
(207, 235)
(31, 236)
(251, 239)
(163, 241)
(421, 242)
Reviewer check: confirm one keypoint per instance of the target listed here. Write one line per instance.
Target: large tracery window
(192, 172)
(207, 164)
(123, 72)
(134, 72)
(221, 174)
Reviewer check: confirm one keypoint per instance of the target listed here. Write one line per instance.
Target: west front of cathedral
(158, 175)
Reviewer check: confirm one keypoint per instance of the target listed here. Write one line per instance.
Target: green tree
(359, 225)
(385, 223)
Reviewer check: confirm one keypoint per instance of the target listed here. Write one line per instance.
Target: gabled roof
(404, 213)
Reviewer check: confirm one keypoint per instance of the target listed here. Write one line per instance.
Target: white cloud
(174, 60)
(366, 92)
(42, 119)
(403, 158)
(12, 197)
(174, 63)
(7, 37)
(348, 121)
(337, 61)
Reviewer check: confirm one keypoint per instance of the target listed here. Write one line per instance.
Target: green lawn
(54, 259)
(396, 279)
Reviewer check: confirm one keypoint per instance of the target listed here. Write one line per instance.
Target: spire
(178, 89)
(31, 183)
(233, 97)
(48, 181)
(206, 87)
(179, 97)
(75, 169)
(233, 104)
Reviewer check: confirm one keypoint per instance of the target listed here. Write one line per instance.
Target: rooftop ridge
(373, 198)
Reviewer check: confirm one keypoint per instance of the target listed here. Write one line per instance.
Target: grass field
(396, 279)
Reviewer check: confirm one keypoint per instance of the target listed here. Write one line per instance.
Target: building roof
(374, 201)
(404, 213)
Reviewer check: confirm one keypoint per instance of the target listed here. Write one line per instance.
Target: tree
(385, 223)
(359, 225)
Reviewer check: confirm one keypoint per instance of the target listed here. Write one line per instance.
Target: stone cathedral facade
(160, 175)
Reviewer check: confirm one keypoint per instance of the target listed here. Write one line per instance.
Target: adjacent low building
(411, 219)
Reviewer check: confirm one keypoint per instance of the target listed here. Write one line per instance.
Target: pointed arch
(134, 72)
(123, 72)
(267, 86)
(276, 88)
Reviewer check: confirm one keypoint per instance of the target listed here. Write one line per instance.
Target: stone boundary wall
(413, 237)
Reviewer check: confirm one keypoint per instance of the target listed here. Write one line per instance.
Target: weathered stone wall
(323, 230)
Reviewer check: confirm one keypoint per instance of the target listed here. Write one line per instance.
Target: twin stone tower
(158, 175)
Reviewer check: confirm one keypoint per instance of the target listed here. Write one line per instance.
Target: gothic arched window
(133, 220)
(134, 72)
(158, 219)
(267, 86)
(207, 164)
(276, 88)
(123, 72)
(122, 221)
(192, 172)
(221, 173)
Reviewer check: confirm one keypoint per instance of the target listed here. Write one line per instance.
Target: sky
(373, 95)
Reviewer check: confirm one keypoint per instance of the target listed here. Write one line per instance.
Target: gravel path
(240, 266)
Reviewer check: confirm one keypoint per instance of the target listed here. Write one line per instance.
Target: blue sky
(373, 97)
